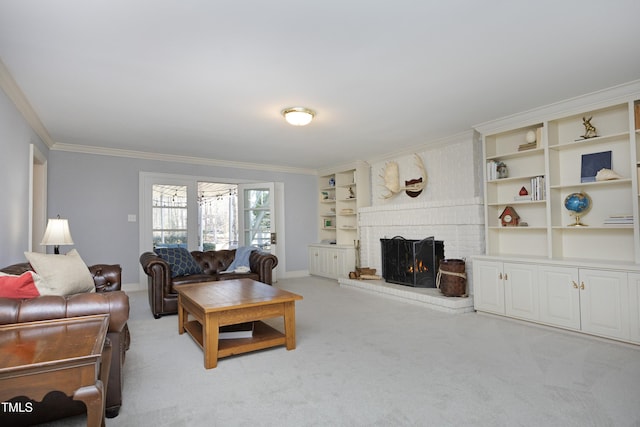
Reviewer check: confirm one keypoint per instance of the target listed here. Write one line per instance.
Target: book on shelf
(538, 191)
(492, 170)
(241, 330)
(527, 146)
(592, 163)
(622, 219)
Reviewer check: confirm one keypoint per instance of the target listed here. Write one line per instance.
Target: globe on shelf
(577, 204)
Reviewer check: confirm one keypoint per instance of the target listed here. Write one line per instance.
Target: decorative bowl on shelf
(578, 204)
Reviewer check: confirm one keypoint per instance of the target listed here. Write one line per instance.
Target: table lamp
(57, 233)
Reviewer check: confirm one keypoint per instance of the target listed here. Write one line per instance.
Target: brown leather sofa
(108, 299)
(163, 298)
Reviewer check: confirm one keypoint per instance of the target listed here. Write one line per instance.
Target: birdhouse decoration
(509, 217)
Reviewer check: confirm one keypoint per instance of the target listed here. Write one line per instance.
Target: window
(257, 217)
(184, 211)
(218, 216)
(169, 213)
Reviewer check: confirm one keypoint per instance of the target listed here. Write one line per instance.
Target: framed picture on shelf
(592, 163)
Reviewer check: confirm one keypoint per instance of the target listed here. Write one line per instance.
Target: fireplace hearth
(411, 262)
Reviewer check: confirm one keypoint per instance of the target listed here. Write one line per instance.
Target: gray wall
(15, 138)
(96, 193)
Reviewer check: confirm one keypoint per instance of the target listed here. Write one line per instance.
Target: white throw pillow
(61, 274)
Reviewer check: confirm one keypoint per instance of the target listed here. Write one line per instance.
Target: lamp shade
(57, 233)
(298, 116)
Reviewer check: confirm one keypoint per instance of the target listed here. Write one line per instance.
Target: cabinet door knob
(582, 285)
(500, 276)
(506, 277)
(575, 285)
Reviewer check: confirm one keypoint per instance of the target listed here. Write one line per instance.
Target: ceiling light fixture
(298, 116)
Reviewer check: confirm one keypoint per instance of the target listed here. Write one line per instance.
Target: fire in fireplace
(411, 262)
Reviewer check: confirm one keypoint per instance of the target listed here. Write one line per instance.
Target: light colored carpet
(365, 360)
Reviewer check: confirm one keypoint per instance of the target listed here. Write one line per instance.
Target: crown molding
(15, 94)
(143, 155)
(625, 92)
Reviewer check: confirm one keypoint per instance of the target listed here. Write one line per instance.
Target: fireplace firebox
(411, 262)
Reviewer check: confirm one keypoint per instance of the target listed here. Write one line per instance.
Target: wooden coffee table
(229, 302)
(57, 355)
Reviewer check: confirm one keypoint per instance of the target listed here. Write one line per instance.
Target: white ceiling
(209, 78)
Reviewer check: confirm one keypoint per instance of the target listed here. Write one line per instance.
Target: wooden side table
(57, 355)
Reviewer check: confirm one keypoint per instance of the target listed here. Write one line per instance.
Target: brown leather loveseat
(163, 298)
(108, 299)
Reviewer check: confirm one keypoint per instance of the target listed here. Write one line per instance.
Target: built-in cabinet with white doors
(508, 289)
(634, 306)
(589, 300)
(332, 261)
(546, 269)
(595, 301)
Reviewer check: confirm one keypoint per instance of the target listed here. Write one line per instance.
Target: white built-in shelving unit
(582, 278)
(342, 191)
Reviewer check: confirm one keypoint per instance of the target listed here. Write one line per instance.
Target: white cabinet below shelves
(559, 296)
(592, 301)
(489, 296)
(604, 303)
(634, 306)
(521, 291)
(506, 288)
(600, 302)
(332, 261)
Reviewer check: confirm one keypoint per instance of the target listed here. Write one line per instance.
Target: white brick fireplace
(458, 223)
(450, 208)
